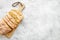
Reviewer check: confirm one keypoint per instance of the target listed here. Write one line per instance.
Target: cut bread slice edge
(11, 33)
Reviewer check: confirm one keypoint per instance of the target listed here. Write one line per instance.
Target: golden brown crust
(12, 19)
(4, 28)
(14, 16)
(10, 34)
(18, 14)
(9, 22)
(17, 11)
(21, 17)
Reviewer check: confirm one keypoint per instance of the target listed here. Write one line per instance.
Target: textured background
(41, 20)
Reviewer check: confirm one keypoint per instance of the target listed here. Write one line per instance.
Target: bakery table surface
(41, 20)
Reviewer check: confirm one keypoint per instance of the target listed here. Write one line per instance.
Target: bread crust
(4, 28)
(9, 22)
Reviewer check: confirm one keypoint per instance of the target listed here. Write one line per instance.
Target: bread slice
(17, 11)
(10, 34)
(10, 22)
(18, 14)
(14, 14)
(4, 28)
(12, 25)
(11, 18)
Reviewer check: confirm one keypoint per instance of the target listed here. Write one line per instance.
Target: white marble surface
(41, 20)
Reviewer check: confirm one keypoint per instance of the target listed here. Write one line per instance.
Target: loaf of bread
(10, 22)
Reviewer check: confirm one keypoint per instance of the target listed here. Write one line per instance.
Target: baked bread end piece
(10, 34)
